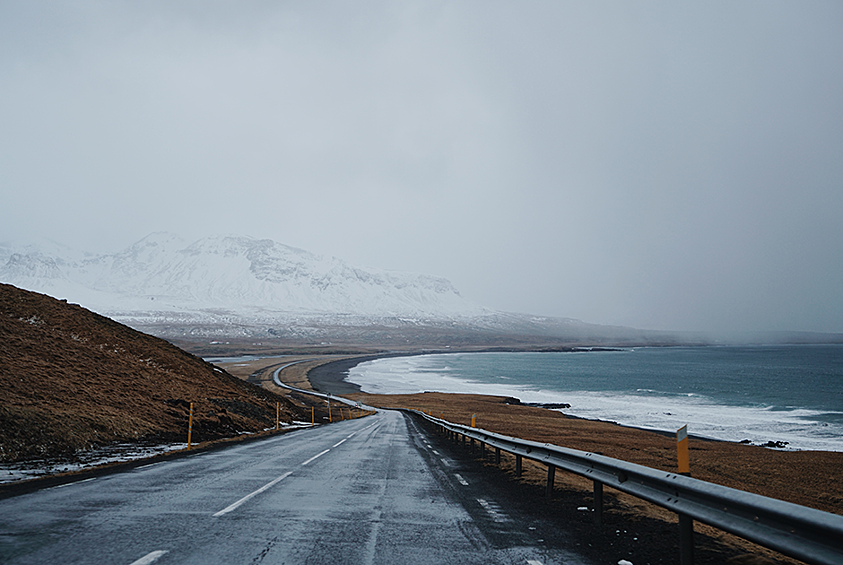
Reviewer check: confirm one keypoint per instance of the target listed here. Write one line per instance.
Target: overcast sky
(663, 165)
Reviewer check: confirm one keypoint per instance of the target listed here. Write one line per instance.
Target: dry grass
(73, 380)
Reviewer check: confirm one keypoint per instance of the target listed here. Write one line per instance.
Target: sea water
(790, 394)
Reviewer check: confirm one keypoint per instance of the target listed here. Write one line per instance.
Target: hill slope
(73, 380)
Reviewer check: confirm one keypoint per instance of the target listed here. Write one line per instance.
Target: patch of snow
(11, 472)
(226, 279)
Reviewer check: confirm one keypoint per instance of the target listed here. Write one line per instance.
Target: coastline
(809, 478)
(727, 394)
(330, 378)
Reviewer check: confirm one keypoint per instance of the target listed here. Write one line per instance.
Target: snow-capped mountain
(228, 277)
(241, 287)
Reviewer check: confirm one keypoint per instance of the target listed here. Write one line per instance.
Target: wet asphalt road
(372, 490)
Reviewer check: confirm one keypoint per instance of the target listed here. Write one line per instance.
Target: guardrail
(804, 533)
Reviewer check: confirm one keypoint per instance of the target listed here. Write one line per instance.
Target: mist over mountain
(231, 286)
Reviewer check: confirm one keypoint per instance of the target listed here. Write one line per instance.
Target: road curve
(365, 491)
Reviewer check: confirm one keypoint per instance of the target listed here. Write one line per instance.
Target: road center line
(228, 509)
(339, 443)
(149, 557)
(315, 456)
(462, 481)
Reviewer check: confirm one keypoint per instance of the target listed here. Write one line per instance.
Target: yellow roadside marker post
(473, 420)
(190, 426)
(686, 524)
(683, 456)
(330, 416)
(277, 414)
(312, 417)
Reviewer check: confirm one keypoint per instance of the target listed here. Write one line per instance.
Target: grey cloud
(660, 165)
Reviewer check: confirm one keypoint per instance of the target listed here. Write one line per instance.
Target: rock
(776, 444)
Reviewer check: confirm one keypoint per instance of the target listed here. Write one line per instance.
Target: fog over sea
(791, 394)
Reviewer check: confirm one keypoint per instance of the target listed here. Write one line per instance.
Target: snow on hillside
(230, 278)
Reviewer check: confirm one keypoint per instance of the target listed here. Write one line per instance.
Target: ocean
(790, 394)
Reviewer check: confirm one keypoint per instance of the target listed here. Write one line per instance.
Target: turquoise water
(781, 393)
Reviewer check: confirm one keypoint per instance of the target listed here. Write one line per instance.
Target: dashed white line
(434, 451)
(234, 506)
(149, 558)
(315, 456)
(228, 509)
(534, 562)
(494, 510)
(462, 481)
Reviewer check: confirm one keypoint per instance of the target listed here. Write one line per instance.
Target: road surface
(371, 490)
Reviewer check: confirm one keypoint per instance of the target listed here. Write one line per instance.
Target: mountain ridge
(242, 288)
(233, 272)
(232, 286)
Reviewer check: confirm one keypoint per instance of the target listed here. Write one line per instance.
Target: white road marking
(73, 483)
(462, 481)
(149, 558)
(339, 443)
(446, 462)
(494, 510)
(534, 562)
(234, 506)
(436, 452)
(315, 456)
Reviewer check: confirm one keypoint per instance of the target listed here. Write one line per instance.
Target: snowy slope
(234, 276)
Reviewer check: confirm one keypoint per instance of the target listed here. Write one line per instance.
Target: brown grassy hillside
(72, 379)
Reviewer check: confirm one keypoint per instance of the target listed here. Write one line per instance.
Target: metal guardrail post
(497, 456)
(686, 540)
(517, 465)
(598, 503)
(551, 474)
